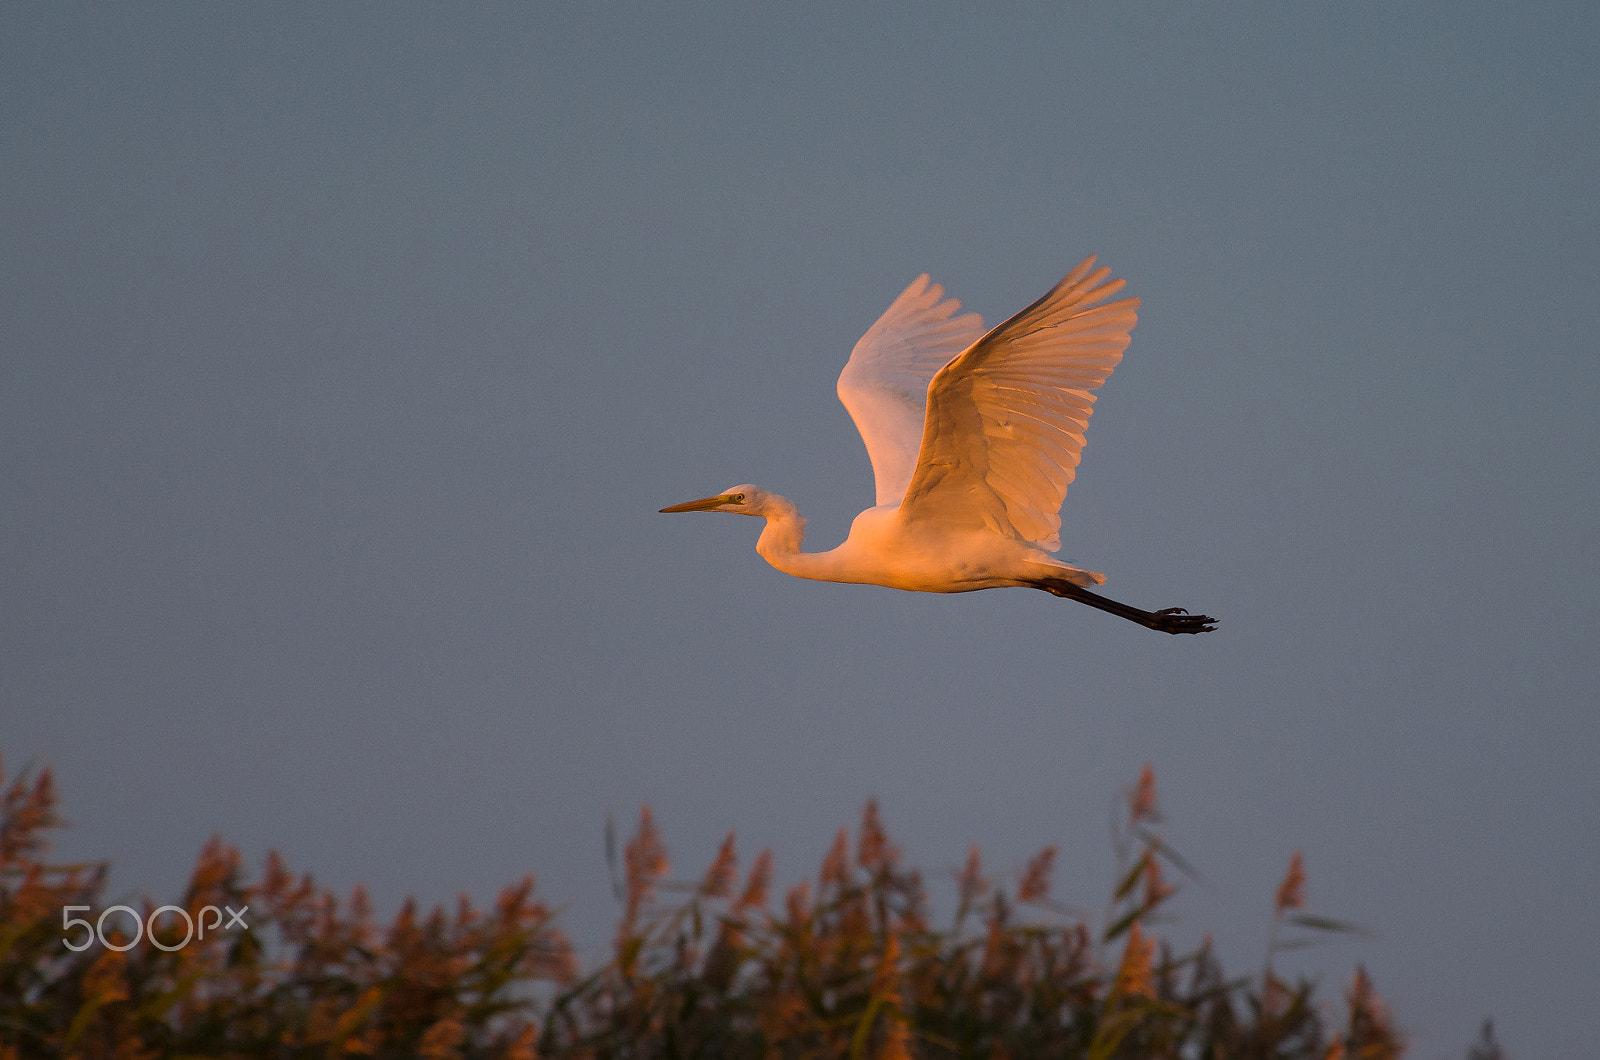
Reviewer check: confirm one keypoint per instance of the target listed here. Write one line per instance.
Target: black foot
(1177, 620)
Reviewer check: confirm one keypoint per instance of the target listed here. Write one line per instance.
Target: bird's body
(886, 549)
(974, 437)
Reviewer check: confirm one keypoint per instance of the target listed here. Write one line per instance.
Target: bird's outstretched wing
(884, 386)
(1005, 420)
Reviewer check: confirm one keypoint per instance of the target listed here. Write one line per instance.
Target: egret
(974, 437)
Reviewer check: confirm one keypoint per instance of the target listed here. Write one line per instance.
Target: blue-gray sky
(346, 354)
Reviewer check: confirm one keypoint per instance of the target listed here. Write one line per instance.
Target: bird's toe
(1178, 620)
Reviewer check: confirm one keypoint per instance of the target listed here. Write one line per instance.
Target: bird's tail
(1078, 577)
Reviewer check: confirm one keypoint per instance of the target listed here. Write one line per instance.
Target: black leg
(1170, 620)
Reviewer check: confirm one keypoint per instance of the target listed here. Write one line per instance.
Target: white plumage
(974, 438)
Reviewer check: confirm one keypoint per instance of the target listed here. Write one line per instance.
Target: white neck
(782, 537)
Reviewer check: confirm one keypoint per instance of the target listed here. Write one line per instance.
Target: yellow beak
(704, 504)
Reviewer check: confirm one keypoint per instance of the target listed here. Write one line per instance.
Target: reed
(847, 965)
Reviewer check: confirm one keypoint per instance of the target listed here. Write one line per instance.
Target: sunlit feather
(974, 438)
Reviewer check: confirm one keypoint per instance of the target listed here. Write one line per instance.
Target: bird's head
(741, 500)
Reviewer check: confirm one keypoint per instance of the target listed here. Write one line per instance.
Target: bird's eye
(738, 498)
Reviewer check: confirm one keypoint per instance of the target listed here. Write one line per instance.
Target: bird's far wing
(884, 386)
(1006, 419)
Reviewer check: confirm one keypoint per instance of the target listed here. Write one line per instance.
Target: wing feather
(884, 386)
(1005, 421)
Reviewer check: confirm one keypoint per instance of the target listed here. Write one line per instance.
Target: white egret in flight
(973, 438)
